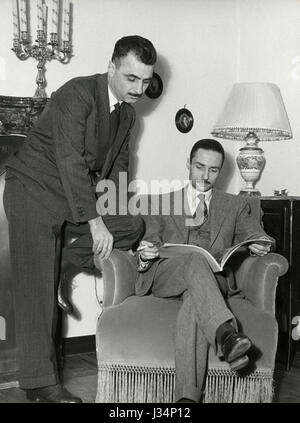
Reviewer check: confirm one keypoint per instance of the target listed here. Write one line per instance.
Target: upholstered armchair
(134, 336)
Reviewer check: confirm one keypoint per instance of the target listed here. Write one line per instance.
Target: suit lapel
(115, 147)
(102, 121)
(122, 131)
(179, 200)
(220, 208)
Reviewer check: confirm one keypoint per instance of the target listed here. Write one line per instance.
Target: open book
(168, 250)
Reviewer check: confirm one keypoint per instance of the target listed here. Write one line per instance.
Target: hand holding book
(147, 250)
(260, 248)
(147, 253)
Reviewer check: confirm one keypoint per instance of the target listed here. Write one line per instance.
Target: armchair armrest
(257, 277)
(119, 277)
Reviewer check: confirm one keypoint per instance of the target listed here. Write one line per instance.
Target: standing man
(81, 137)
(213, 220)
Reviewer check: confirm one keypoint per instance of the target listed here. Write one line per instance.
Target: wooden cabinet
(281, 220)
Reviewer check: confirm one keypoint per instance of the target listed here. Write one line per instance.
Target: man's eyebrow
(132, 75)
(210, 167)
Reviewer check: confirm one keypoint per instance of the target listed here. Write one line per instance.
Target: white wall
(270, 51)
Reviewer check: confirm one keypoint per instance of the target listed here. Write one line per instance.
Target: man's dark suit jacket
(71, 140)
(231, 222)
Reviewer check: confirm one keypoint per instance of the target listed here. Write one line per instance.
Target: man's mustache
(135, 95)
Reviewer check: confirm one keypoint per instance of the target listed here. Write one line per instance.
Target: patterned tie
(201, 212)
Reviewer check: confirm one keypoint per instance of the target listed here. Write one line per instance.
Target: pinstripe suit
(49, 186)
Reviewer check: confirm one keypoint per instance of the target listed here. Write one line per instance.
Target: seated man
(215, 221)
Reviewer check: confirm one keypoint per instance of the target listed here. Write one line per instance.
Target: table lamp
(253, 112)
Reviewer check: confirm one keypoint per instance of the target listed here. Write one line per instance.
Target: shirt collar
(192, 196)
(193, 193)
(112, 99)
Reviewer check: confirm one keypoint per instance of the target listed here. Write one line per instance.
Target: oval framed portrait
(155, 87)
(184, 120)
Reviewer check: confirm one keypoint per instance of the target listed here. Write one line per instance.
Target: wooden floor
(287, 384)
(80, 377)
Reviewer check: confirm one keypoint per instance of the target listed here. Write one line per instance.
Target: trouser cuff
(191, 392)
(38, 382)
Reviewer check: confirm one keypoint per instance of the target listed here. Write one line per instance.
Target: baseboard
(78, 345)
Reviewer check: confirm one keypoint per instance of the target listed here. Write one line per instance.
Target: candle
(23, 18)
(39, 15)
(54, 16)
(15, 19)
(66, 20)
(44, 16)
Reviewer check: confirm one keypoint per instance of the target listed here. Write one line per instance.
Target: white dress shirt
(193, 199)
(112, 100)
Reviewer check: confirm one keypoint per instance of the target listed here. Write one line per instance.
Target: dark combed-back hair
(141, 47)
(208, 144)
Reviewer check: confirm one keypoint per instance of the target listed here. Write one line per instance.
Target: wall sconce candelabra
(43, 51)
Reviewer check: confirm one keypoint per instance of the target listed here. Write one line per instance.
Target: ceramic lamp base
(250, 192)
(251, 161)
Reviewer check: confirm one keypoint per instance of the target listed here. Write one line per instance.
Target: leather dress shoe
(62, 297)
(234, 346)
(239, 363)
(52, 394)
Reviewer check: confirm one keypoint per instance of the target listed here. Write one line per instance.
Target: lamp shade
(253, 107)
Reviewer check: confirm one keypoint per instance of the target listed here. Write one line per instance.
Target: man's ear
(188, 164)
(111, 68)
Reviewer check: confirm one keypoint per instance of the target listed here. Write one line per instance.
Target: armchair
(134, 336)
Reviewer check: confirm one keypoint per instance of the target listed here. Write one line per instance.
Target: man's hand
(260, 249)
(148, 251)
(102, 238)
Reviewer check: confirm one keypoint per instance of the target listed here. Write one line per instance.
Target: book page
(228, 253)
(169, 250)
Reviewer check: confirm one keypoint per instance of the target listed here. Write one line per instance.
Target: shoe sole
(240, 363)
(239, 349)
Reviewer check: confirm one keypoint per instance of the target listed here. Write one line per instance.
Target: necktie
(114, 120)
(201, 212)
(117, 108)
